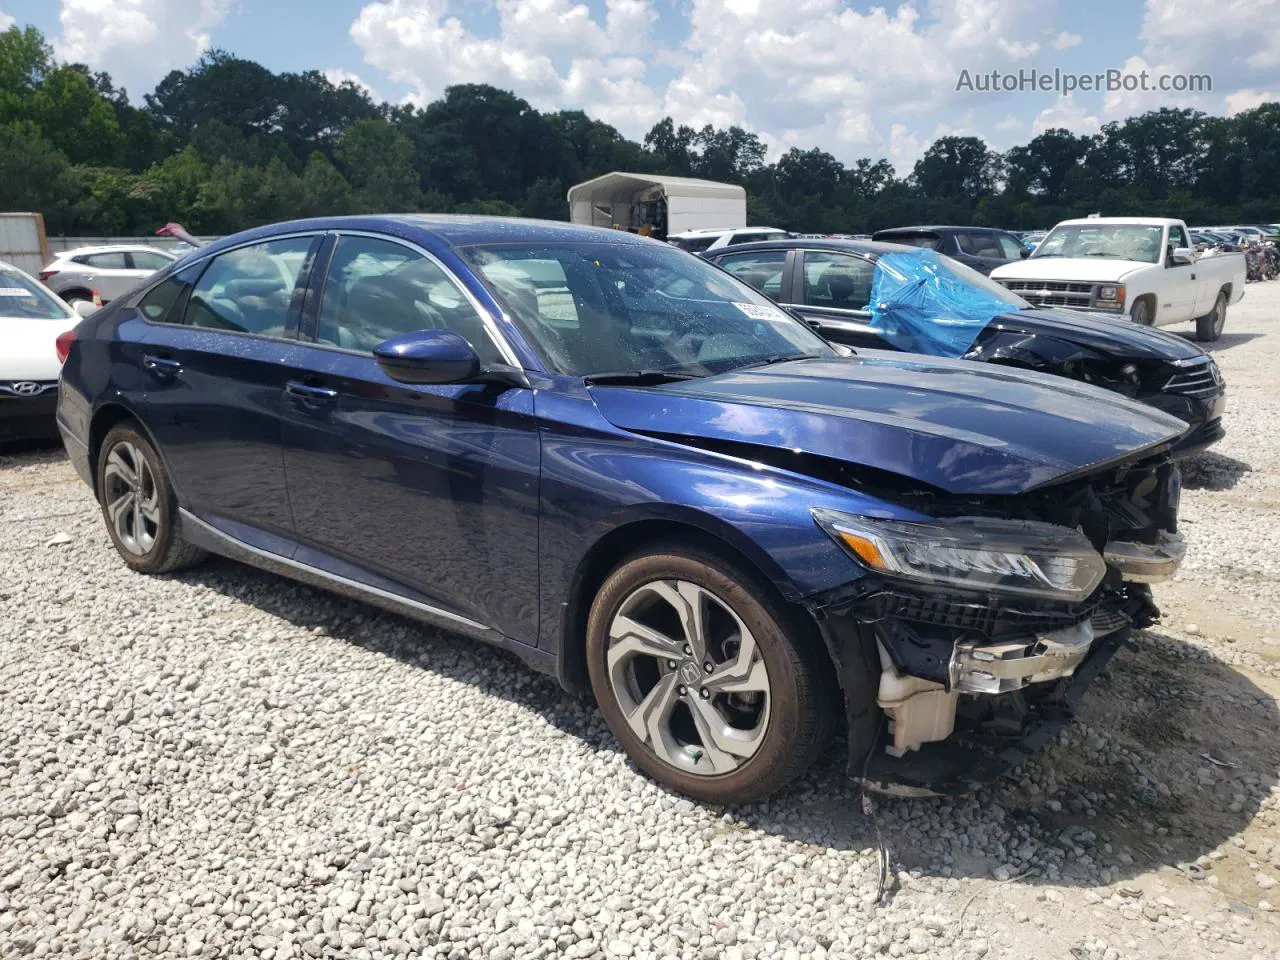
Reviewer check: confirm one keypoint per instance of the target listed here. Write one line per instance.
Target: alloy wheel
(689, 677)
(132, 498)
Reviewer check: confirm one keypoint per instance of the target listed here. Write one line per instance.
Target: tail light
(44, 275)
(63, 344)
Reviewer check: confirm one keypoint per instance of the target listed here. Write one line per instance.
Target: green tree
(76, 118)
(378, 162)
(957, 168)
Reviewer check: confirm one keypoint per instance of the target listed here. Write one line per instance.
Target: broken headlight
(1003, 556)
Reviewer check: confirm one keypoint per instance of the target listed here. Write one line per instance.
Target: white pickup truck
(1142, 266)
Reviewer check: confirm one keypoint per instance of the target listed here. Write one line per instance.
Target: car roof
(108, 248)
(941, 228)
(716, 231)
(1113, 221)
(865, 247)
(437, 230)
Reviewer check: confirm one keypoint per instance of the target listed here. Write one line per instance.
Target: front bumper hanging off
(945, 695)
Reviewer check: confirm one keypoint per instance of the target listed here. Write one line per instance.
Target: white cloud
(419, 44)
(139, 41)
(1009, 123)
(803, 73)
(337, 76)
(1236, 42)
(1243, 100)
(1065, 40)
(6, 21)
(1066, 114)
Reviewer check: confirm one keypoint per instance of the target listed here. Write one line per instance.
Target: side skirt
(198, 532)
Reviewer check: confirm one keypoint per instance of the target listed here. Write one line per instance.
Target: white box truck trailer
(657, 206)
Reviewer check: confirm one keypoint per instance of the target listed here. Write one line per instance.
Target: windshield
(23, 298)
(1109, 241)
(986, 284)
(593, 308)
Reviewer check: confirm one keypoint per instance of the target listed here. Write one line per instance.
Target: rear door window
(107, 261)
(250, 289)
(761, 270)
(163, 303)
(837, 281)
(980, 245)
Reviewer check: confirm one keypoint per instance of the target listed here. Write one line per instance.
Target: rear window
(927, 240)
(23, 298)
(694, 244)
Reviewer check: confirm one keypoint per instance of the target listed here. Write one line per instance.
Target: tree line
(228, 144)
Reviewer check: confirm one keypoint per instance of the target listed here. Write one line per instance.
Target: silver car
(102, 273)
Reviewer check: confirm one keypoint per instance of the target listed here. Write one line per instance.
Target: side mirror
(1180, 255)
(83, 308)
(427, 356)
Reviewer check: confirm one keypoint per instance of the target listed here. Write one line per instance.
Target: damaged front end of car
(969, 642)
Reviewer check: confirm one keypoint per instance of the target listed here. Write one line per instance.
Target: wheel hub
(688, 677)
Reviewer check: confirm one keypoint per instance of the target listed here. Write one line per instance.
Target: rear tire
(1142, 313)
(727, 713)
(139, 505)
(1209, 327)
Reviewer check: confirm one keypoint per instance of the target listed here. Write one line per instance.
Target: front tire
(139, 505)
(1209, 327)
(711, 684)
(1142, 313)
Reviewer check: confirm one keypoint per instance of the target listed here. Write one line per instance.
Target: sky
(853, 78)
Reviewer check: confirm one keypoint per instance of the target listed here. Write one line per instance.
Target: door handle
(161, 366)
(310, 392)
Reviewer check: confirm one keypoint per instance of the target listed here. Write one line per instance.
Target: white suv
(104, 272)
(700, 241)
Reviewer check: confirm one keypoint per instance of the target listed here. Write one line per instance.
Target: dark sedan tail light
(63, 344)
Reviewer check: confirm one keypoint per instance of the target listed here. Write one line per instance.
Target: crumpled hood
(1117, 336)
(963, 427)
(1078, 269)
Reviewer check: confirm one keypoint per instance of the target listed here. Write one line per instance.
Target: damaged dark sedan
(641, 476)
(893, 297)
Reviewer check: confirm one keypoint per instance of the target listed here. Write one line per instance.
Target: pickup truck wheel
(1209, 327)
(1142, 314)
(711, 684)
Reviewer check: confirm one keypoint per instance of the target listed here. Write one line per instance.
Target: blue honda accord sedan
(640, 475)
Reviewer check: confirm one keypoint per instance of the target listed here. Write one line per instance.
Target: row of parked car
(685, 483)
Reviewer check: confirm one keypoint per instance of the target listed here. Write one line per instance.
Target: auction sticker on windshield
(758, 311)
(15, 292)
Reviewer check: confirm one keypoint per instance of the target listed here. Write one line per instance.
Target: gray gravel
(226, 764)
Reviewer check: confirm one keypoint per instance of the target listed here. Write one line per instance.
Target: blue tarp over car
(921, 305)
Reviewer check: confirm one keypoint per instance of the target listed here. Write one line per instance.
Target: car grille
(1052, 293)
(26, 389)
(1199, 378)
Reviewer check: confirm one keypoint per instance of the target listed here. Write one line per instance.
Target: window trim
(312, 318)
(292, 331)
(835, 312)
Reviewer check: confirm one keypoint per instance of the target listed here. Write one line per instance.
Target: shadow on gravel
(1224, 342)
(30, 452)
(1212, 471)
(1175, 752)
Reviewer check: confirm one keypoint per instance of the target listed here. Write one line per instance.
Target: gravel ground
(226, 764)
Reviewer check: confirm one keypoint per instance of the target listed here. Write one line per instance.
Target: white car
(1142, 267)
(100, 274)
(31, 320)
(700, 241)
